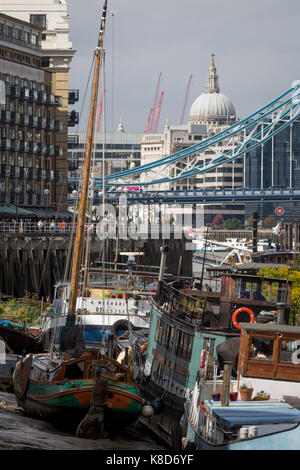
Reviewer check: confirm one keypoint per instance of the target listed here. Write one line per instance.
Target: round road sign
(279, 211)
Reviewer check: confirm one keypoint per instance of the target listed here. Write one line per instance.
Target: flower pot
(233, 396)
(246, 394)
(216, 396)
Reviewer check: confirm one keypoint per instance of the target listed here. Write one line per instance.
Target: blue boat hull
(285, 440)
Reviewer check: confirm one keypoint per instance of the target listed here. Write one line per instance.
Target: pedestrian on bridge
(40, 225)
(63, 225)
(52, 225)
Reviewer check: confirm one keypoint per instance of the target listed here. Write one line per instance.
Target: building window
(38, 20)
(45, 62)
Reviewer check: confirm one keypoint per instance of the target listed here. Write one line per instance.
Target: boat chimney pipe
(280, 313)
(164, 250)
(225, 395)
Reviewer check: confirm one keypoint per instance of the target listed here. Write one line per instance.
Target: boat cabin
(255, 292)
(270, 351)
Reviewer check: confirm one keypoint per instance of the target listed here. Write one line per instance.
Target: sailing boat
(64, 386)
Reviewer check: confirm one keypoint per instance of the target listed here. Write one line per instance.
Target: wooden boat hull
(6, 372)
(69, 400)
(19, 341)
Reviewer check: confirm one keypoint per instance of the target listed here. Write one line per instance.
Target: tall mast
(77, 252)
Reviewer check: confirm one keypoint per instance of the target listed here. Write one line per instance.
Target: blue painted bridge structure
(200, 196)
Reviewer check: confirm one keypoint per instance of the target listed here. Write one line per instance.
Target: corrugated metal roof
(13, 210)
(41, 213)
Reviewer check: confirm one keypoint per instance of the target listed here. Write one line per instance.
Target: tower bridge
(242, 142)
(200, 196)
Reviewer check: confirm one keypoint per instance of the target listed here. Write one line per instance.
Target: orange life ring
(236, 314)
(144, 346)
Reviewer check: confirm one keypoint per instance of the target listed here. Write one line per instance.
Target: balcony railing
(73, 118)
(73, 141)
(73, 96)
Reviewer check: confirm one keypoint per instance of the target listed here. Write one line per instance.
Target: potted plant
(245, 392)
(216, 396)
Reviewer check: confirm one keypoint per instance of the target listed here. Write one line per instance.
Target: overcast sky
(256, 44)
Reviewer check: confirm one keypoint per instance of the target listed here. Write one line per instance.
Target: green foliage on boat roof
(292, 274)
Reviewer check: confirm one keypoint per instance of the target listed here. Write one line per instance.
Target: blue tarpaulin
(232, 417)
(10, 324)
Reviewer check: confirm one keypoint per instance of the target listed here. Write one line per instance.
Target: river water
(20, 432)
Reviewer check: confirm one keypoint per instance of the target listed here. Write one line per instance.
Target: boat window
(237, 288)
(184, 345)
(266, 290)
(257, 293)
(275, 292)
(158, 329)
(171, 338)
(288, 352)
(282, 293)
(261, 349)
(164, 334)
(245, 290)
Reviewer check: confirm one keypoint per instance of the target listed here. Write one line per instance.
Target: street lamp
(46, 192)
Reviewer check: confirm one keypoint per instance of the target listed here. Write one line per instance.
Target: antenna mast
(77, 252)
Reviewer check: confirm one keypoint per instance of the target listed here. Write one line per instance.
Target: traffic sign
(279, 211)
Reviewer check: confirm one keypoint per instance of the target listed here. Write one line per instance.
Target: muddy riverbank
(20, 432)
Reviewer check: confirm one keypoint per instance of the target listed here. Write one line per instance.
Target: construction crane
(148, 121)
(157, 114)
(155, 102)
(186, 99)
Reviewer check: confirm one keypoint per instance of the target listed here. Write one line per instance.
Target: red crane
(186, 99)
(157, 114)
(155, 102)
(148, 121)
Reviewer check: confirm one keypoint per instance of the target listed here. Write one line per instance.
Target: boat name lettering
(296, 354)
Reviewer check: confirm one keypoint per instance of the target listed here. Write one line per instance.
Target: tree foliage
(269, 221)
(233, 224)
(218, 220)
(284, 272)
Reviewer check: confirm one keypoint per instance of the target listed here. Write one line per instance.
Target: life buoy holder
(236, 314)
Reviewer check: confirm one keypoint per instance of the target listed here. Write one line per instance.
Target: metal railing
(178, 302)
(36, 228)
